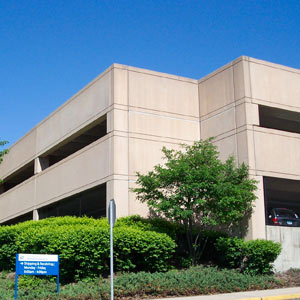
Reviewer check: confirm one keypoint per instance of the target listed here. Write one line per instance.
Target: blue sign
(36, 264)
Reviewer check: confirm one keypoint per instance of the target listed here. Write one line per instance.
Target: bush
(8, 248)
(153, 224)
(83, 246)
(142, 250)
(261, 255)
(193, 281)
(11, 236)
(83, 250)
(252, 257)
(209, 238)
(176, 232)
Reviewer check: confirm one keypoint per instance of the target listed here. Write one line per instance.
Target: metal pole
(111, 221)
(57, 284)
(16, 278)
(16, 286)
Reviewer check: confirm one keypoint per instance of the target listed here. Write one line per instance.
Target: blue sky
(51, 49)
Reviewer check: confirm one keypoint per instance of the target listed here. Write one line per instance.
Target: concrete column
(40, 164)
(257, 224)
(35, 215)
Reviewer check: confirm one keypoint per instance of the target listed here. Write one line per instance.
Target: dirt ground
(290, 278)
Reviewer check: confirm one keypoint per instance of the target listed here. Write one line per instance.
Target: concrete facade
(146, 110)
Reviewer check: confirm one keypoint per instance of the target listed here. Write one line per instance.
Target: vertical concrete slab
(117, 189)
(289, 238)
(242, 147)
(216, 90)
(118, 185)
(242, 88)
(120, 84)
(275, 84)
(257, 223)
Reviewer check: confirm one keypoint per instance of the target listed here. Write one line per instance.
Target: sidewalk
(275, 294)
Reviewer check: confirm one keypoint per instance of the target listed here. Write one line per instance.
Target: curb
(279, 297)
(282, 297)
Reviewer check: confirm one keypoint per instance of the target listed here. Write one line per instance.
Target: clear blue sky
(51, 49)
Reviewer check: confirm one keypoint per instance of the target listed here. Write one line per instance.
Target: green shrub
(8, 247)
(206, 244)
(152, 224)
(253, 257)
(261, 255)
(176, 232)
(193, 281)
(208, 239)
(83, 250)
(138, 250)
(9, 235)
(83, 246)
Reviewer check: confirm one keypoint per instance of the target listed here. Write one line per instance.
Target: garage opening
(90, 203)
(282, 201)
(19, 219)
(77, 141)
(279, 119)
(18, 177)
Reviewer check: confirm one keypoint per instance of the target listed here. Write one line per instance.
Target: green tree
(196, 189)
(3, 152)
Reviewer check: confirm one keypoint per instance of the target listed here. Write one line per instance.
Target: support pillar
(40, 164)
(35, 215)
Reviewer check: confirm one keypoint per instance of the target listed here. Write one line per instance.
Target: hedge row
(83, 246)
(252, 257)
(139, 245)
(193, 281)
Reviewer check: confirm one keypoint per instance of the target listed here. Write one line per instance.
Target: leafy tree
(196, 189)
(3, 152)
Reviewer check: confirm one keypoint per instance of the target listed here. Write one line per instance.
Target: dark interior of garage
(281, 193)
(90, 203)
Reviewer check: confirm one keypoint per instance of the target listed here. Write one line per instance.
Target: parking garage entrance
(282, 201)
(90, 203)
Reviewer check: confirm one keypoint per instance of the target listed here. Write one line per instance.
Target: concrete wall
(21, 153)
(229, 101)
(274, 85)
(225, 110)
(74, 174)
(228, 115)
(151, 110)
(18, 200)
(84, 107)
(145, 110)
(289, 238)
(274, 160)
(275, 153)
(86, 168)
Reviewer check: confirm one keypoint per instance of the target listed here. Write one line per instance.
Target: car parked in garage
(283, 217)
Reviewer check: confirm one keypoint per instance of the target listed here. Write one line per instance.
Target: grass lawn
(194, 281)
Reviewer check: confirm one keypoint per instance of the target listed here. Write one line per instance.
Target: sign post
(36, 264)
(112, 220)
